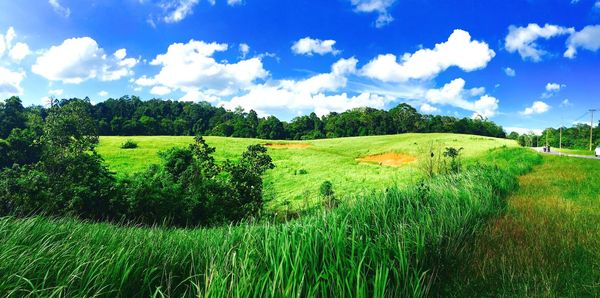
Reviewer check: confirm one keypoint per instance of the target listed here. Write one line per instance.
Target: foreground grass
(390, 243)
(330, 159)
(548, 243)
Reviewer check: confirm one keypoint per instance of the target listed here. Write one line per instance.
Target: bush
(129, 144)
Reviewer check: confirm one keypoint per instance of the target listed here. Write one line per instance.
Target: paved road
(541, 150)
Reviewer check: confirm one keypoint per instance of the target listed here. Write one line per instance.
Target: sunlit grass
(330, 159)
(384, 244)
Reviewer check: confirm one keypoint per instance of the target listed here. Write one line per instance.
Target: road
(541, 150)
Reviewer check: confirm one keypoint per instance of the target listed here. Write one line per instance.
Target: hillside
(300, 170)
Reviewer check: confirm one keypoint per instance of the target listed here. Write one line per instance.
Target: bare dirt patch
(388, 159)
(287, 145)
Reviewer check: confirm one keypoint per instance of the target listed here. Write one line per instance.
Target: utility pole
(560, 138)
(591, 128)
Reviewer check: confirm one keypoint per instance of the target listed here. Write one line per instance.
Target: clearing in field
(388, 159)
(287, 145)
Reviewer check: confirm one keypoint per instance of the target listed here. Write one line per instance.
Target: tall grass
(382, 244)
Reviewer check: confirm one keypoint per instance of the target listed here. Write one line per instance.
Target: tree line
(574, 137)
(129, 115)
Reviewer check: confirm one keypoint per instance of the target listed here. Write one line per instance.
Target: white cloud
(552, 89)
(510, 72)
(191, 66)
(16, 52)
(554, 86)
(120, 54)
(523, 39)
(428, 109)
(244, 49)
(10, 82)
(537, 107)
(160, 90)
(565, 103)
(523, 130)
(309, 46)
(19, 51)
(311, 94)
(588, 38)
(459, 51)
(177, 10)
(59, 9)
(455, 94)
(381, 7)
(234, 2)
(103, 93)
(80, 59)
(56, 92)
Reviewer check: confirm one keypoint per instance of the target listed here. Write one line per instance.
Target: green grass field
(382, 244)
(330, 159)
(574, 151)
(547, 244)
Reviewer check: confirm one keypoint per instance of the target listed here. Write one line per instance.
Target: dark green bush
(129, 144)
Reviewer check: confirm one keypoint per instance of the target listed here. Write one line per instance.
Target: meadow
(388, 243)
(298, 173)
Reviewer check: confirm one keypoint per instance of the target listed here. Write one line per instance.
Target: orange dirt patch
(388, 159)
(288, 146)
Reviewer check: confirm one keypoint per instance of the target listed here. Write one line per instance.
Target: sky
(526, 65)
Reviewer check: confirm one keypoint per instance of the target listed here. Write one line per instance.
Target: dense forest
(132, 116)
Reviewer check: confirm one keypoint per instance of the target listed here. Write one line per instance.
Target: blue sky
(523, 64)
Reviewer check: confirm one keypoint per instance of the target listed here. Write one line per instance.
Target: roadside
(546, 244)
(553, 151)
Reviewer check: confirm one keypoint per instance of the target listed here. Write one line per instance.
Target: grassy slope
(548, 243)
(384, 244)
(329, 159)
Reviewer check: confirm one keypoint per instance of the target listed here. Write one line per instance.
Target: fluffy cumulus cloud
(588, 38)
(523, 39)
(191, 68)
(17, 51)
(537, 107)
(59, 9)
(454, 94)
(316, 93)
(459, 51)
(10, 82)
(381, 7)
(310, 46)
(80, 59)
(510, 72)
(103, 93)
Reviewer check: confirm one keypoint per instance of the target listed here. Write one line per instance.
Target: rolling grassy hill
(300, 171)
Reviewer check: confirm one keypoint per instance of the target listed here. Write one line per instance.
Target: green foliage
(390, 244)
(129, 144)
(326, 189)
(131, 116)
(455, 162)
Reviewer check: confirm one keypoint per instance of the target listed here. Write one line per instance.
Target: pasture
(300, 170)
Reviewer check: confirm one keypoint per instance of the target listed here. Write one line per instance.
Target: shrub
(129, 144)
